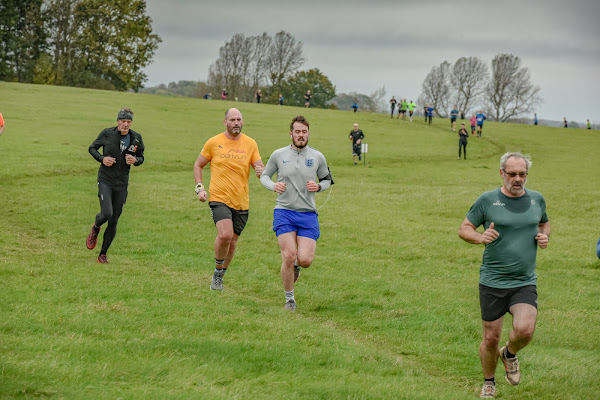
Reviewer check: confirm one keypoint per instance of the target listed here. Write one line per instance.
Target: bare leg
(306, 251)
(225, 241)
(488, 349)
(294, 248)
(524, 318)
(287, 245)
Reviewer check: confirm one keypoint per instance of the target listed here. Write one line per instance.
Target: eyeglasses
(513, 174)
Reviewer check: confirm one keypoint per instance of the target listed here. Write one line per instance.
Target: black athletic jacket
(110, 140)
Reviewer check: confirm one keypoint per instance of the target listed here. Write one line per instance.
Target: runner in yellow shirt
(230, 155)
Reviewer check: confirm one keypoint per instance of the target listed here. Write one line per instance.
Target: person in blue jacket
(430, 114)
(480, 118)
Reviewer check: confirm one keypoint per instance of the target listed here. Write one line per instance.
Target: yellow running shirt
(230, 162)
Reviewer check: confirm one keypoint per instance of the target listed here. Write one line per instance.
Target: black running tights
(112, 200)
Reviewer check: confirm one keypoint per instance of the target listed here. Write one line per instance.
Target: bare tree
(378, 99)
(510, 93)
(246, 63)
(285, 57)
(468, 78)
(260, 60)
(436, 88)
(231, 68)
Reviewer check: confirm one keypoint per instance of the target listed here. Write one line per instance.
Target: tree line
(103, 44)
(504, 94)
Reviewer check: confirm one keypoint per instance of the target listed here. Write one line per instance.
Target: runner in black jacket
(121, 148)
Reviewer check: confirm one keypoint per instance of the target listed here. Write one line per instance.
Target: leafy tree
(60, 25)
(510, 92)
(100, 43)
(113, 43)
(294, 88)
(22, 38)
(44, 72)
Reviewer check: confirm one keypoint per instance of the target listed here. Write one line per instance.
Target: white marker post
(364, 149)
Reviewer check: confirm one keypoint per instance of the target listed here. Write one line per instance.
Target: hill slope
(389, 308)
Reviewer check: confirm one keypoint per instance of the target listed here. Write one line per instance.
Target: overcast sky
(362, 45)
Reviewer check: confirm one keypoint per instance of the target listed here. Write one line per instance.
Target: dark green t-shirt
(509, 261)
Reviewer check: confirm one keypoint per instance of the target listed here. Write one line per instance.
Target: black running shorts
(497, 302)
(220, 211)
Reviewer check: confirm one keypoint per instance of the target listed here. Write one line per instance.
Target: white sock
(289, 296)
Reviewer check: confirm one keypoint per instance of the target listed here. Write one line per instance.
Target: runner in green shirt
(403, 107)
(515, 223)
(411, 109)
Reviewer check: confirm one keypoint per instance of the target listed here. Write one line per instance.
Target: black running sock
(493, 380)
(96, 229)
(508, 354)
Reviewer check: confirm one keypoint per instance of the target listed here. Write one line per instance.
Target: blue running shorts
(306, 224)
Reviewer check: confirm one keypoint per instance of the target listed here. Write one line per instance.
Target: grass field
(389, 309)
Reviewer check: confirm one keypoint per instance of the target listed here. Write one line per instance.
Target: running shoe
(511, 366)
(92, 238)
(296, 273)
(488, 391)
(290, 305)
(217, 281)
(102, 259)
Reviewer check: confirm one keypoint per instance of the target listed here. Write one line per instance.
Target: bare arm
(468, 233)
(198, 165)
(258, 168)
(543, 235)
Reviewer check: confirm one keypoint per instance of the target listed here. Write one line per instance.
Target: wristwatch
(199, 187)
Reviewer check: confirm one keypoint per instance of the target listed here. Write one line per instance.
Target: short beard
(298, 146)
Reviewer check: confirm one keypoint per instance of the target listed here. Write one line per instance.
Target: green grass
(388, 310)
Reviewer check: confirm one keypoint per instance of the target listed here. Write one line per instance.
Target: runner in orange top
(1, 124)
(230, 155)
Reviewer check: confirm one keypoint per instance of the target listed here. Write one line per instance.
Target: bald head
(233, 122)
(232, 109)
